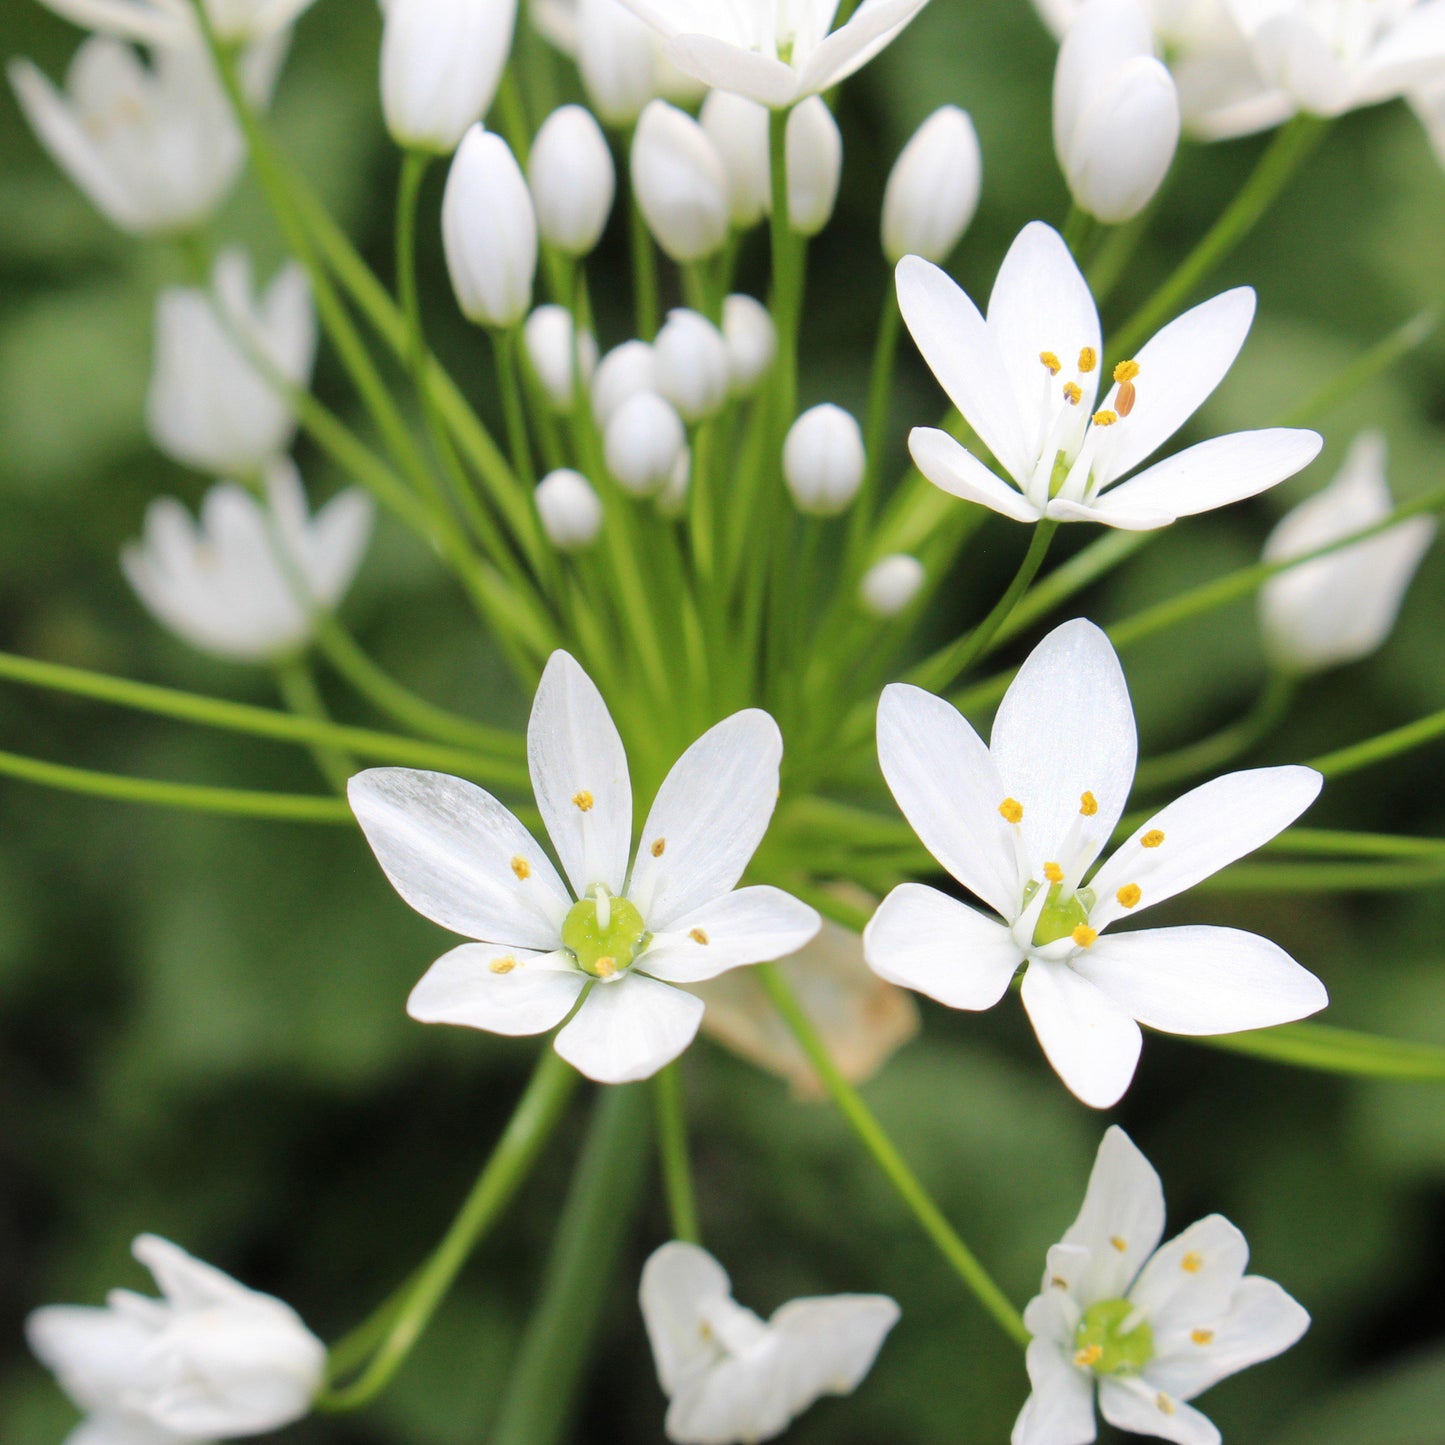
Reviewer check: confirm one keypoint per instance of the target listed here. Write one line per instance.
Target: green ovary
(1060, 916)
(1101, 1346)
(604, 934)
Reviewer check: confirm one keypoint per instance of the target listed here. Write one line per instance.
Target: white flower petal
(1208, 828)
(1130, 1404)
(1054, 1312)
(721, 66)
(1202, 980)
(943, 778)
(119, 1430)
(924, 940)
(94, 1353)
(678, 1280)
(1191, 1280)
(1123, 1205)
(954, 469)
(1134, 520)
(504, 991)
(458, 857)
(579, 774)
(1092, 1043)
(850, 47)
(829, 1344)
(707, 819)
(749, 925)
(629, 1028)
(1060, 1411)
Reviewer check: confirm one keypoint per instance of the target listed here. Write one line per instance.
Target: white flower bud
(557, 357)
(890, 584)
(694, 369)
(573, 180)
(824, 460)
(933, 189)
(1116, 111)
(571, 511)
(441, 62)
(617, 55)
(489, 231)
(642, 444)
(672, 499)
(680, 183)
(815, 165)
(623, 372)
(738, 129)
(752, 341)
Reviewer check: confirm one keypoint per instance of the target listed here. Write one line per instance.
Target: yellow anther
(503, 965)
(1088, 804)
(1126, 371)
(1129, 895)
(659, 847)
(1053, 873)
(1090, 1355)
(1153, 838)
(1165, 1404)
(605, 967)
(1125, 398)
(1051, 361)
(1012, 810)
(1085, 936)
(521, 868)
(1059, 1282)
(1122, 1245)
(698, 936)
(1088, 359)
(1202, 1337)
(584, 801)
(1073, 393)
(1192, 1263)
(1105, 417)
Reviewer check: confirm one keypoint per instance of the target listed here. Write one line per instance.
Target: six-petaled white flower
(620, 939)
(1027, 379)
(733, 1379)
(1150, 1326)
(1020, 822)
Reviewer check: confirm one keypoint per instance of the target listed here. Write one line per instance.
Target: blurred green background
(201, 1022)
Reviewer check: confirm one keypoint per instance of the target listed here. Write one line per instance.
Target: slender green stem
(300, 693)
(1083, 569)
(644, 273)
(1294, 878)
(787, 282)
(1337, 1051)
(504, 348)
(1333, 842)
(531, 1125)
(672, 1148)
(1080, 231)
(905, 1183)
(880, 392)
(1380, 749)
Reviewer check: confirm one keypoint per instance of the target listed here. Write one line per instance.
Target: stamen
(1192, 1263)
(503, 965)
(1073, 393)
(1059, 1282)
(605, 967)
(1125, 398)
(1053, 873)
(1202, 1337)
(1126, 371)
(1051, 361)
(1122, 1245)
(1088, 804)
(521, 868)
(1129, 895)
(1105, 417)
(659, 847)
(1088, 360)
(584, 801)
(1152, 839)
(698, 936)
(1165, 1404)
(1012, 810)
(1091, 1355)
(1085, 936)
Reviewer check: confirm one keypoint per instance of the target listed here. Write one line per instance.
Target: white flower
(1116, 111)
(208, 407)
(226, 586)
(1027, 379)
(891, 584)
(815, 165)
(611, 939)
(1151, 1326)
(824, 460)
(933, 188)
(173, 22)
(625, 370)
(559, 357)
(644, 443)
(752, 340)
(775, 54)
(693, 365)
(730, 1376)
(209, 1360)
(1340, 607)
(1020, 822)
(571, 511)
(573, 180)
(680, 184)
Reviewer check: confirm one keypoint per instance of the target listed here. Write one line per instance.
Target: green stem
(880, 391)
(1380, 749)
(905, 1183)
(1337, 1051)
(531, 1125)
(672, 1148)
(504, 348)
(787, 283)
(300, 694)
(1084, 568)
(1332, 842)
(1080, 231)
(1296, 878)
(644, 273)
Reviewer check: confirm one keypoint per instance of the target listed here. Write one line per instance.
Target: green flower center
(1101, 1345)
(1060, 916)
(604, 934)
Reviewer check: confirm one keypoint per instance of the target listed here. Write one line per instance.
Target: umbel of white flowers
(733, 1379)
(614, 939)
(1020, 822)
(210, 1360)
(1147, 1326)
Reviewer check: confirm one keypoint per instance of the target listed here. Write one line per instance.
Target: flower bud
(489, 231)
(570, 510)
(623, 372)
(617, 56)
(1116, 111)
(815, 165)
(738, 129)
(823, 460)
(441, 62)
(752, 341)
(890, 584)
(933, 190)
(557, 356)
(573, 180)
(680, 183)
(643, 442)
(694, 370)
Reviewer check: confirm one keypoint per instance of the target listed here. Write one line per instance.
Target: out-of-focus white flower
(246, 584)
(774, 54)
(573, 180)
(891, 584)
(622, 373)
(733, 1379)
(1020, 822)
(693, 365)
(752, 340)
(643, 442)
(1340, 607)
(154, 147)
(824, 460)
(489, 230)
(441, 63)
(173, 22)
(1149, 1326)
(209, 1360)
(738, 129)
(1116, 111)
(614, 939)
(571, 511)
(933, 189)
(559, 357)
(680, 183)
(1027, 379)
(208, 406)
(815, 165)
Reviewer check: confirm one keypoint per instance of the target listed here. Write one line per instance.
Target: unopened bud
(824, 460)
(559, 358)
(815, 165)
(752, 341)
(573, 180)
(694, 370)
(642, 444)
(623, 372)
(489, 231)
(889, 585)
(617, 55)
(680, 183)
(933, 190)
(570, 510)
(738, 129)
